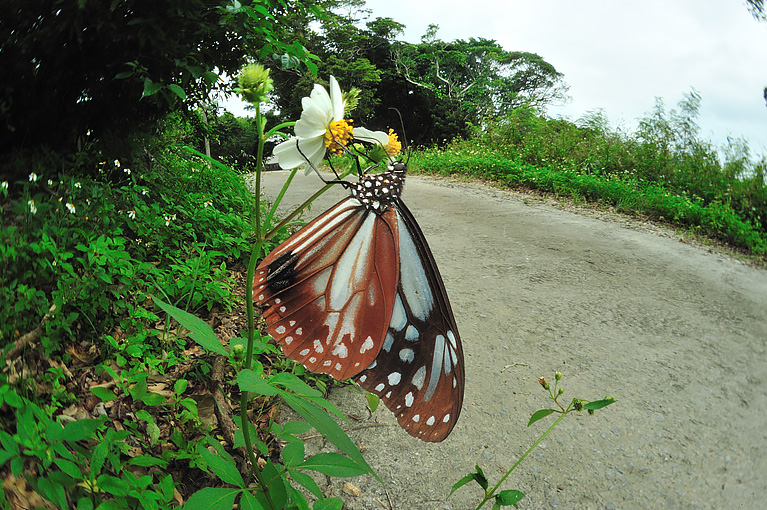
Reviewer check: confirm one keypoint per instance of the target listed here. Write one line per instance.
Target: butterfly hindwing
(419, 371)
(328, 291)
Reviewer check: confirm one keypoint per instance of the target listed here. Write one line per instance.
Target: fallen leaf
(352, 489)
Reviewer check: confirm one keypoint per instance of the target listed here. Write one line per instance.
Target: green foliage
(664, 172)
(77, 69)
(94, 248)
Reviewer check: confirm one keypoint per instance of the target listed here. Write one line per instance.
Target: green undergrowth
(625, 191)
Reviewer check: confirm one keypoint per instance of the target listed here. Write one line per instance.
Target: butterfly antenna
(404, 136)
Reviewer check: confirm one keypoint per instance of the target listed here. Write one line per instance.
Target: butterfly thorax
(378, 191)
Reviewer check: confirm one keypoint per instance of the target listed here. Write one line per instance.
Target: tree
(77, 67)
(757, 9)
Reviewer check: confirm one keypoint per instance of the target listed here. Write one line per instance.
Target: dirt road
(675, 333)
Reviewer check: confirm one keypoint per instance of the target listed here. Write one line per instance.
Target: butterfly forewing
(419, 371)
(328, 291)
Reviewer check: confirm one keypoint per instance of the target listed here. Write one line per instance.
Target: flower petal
(288, 155)
(336, 99)
(365, 135)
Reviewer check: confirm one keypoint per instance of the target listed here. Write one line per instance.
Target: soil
(675, 332)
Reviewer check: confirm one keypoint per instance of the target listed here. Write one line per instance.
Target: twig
(30, 337)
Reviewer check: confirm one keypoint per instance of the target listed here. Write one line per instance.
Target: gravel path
(675, 333)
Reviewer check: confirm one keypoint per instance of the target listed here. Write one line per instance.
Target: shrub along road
(675, 333)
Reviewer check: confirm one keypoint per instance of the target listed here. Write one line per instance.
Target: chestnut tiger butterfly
(356, 293)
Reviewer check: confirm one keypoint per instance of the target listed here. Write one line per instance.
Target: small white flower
(321, 126)
(88, 201)
(144, 191)
(208, 203)
(32, 177)
(132, 214)
(167, 220)
(78, 185)
(32, 207)
(126, 170)
(4, 184)
(50, 182)
(71, 208)
(117, 162)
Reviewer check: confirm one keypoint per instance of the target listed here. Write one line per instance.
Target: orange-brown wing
(328, 291)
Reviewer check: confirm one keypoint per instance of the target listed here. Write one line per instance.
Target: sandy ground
(674, 332)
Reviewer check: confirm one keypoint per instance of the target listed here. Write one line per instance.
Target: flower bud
(561, 390)
(542, 382)
(578, 405)
(558, 376)
(254, 83)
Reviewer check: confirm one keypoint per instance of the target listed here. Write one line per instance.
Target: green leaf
(333, 464)
(599, 404)
(69, 468)
(292, 382)
(509, 497)
(249, 502)
(80, 429)
(180, 386)
(104, 394)
(328, 504)
(248, 380)
(293, 453)
(373, 401)
(150, 88)
(199, 330)
(225, 469)
(147, 461)
(307, 481)
(463, 481)
(177, 90)
(151, 427)
(320, 420)
(537, 415)
(52, 491)
(277, 489)
(211, 498)
(481, 478)
(113, 485)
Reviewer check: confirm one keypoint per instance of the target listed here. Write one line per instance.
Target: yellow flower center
(338, 133)
(394, 146)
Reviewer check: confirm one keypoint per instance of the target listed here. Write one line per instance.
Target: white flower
(126, 170)
(78, 185)
(32, 207)
(71, 208)
(208, 203)
(144, 191)
(117, 162)
(32, 177)
(4, 184)
(132, 214)
(320, 127)
(365, 135)
(50, 182)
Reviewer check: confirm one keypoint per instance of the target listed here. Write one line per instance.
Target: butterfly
(356, 293)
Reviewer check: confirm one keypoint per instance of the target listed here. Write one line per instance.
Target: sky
(620, 56)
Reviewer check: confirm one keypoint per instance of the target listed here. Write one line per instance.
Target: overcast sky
(620, 55)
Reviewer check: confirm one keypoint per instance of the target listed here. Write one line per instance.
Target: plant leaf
(104, 394)
(225, 469)
(249, 502)
(307, 481)
(537, 415)
(177, 90)
(463, 481)
(328, 504)
(333, 464)
(212, 498)
(599, 404)
(320, 420)
(509, 497)
(199, 330)
(80, 429)
(373, 401)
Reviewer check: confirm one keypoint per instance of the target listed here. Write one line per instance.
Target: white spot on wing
(341, 351)
(288, 340)
(407, 355)
(351, 269)
(366, 345)
(436, 363)
(409, 399)
(415, 284)
(380, 387)
(318, 346)
(398, 318)
(363, 378)
(430, 421)
(416, 418)
(304, 352)
(388, 341)
(411, 334)
(280, 330)
(446, 418)
(419, 378)
(394, 378)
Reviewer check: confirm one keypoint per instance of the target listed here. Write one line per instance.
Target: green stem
(489, 494)
(254, 256)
